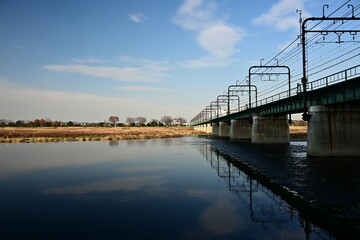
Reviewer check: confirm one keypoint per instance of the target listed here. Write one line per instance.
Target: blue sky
(86, 60)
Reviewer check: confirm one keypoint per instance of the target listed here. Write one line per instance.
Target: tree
(3, 122)
(181, 120)
(55, 123)
(42, 122)
(140, 120)
(113, 119)
(167, 120)
(37, 122)
(20, 123)
(47, 122)
(153, 123)
(130, 120)
(11, 124)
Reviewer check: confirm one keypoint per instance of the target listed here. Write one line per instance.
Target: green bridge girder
(347, 91)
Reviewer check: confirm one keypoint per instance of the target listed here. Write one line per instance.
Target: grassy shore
(53, 134)
(61, 134)
(298, 132)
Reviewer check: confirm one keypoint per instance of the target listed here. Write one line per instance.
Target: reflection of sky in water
(148, 189)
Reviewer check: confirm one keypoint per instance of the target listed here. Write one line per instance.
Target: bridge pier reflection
(263, 206)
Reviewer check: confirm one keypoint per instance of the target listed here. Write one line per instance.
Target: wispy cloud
(144, 89)
(87, 59)
(128, 74)
(133, 69)
(137, 17)
(158, 65)
(282, 15)
(200, 16)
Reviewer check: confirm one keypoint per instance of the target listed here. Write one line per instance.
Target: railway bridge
(333, 116)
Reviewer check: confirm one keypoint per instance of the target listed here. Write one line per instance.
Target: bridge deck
(346, 91)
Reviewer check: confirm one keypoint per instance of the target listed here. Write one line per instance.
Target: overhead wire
(292, 52)
(297, 49)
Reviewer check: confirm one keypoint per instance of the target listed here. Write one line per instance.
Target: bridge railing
(334, 78)
(276, 97)
(344, 75)
(325, 81)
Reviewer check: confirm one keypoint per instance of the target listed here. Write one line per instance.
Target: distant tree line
(298, 123)
(44, 123)
(112, 121)
(164, 121)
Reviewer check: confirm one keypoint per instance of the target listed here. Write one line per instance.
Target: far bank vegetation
(113, 121)
(46, 130)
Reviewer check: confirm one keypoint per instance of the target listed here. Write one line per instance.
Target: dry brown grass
(298, 129)
(298, 132)
(90, 133)
(48, 134)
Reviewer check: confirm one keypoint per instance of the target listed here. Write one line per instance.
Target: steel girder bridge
(341, 87)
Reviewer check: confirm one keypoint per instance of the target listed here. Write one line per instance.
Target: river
(176, 188)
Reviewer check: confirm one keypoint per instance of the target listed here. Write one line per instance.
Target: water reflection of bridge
(265, 208)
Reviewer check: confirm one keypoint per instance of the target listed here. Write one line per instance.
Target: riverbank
(298, 132)
(62, 134)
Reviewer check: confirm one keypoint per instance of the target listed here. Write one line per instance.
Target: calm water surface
(144, 189)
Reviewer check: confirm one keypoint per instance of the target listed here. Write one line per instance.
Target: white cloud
(144, 89)
(137, 17)
(129, 74)
(200, 16)
(282, 15)
(195, 14)
(212, 39)
(88, 59)
(124, 68)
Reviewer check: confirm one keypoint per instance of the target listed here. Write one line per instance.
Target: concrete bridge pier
(240, 129)
(215, 129)
(334, 130)
(273, 129)
(224, 129)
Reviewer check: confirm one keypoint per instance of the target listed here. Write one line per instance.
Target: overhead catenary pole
(304, 79)
(277, 66)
